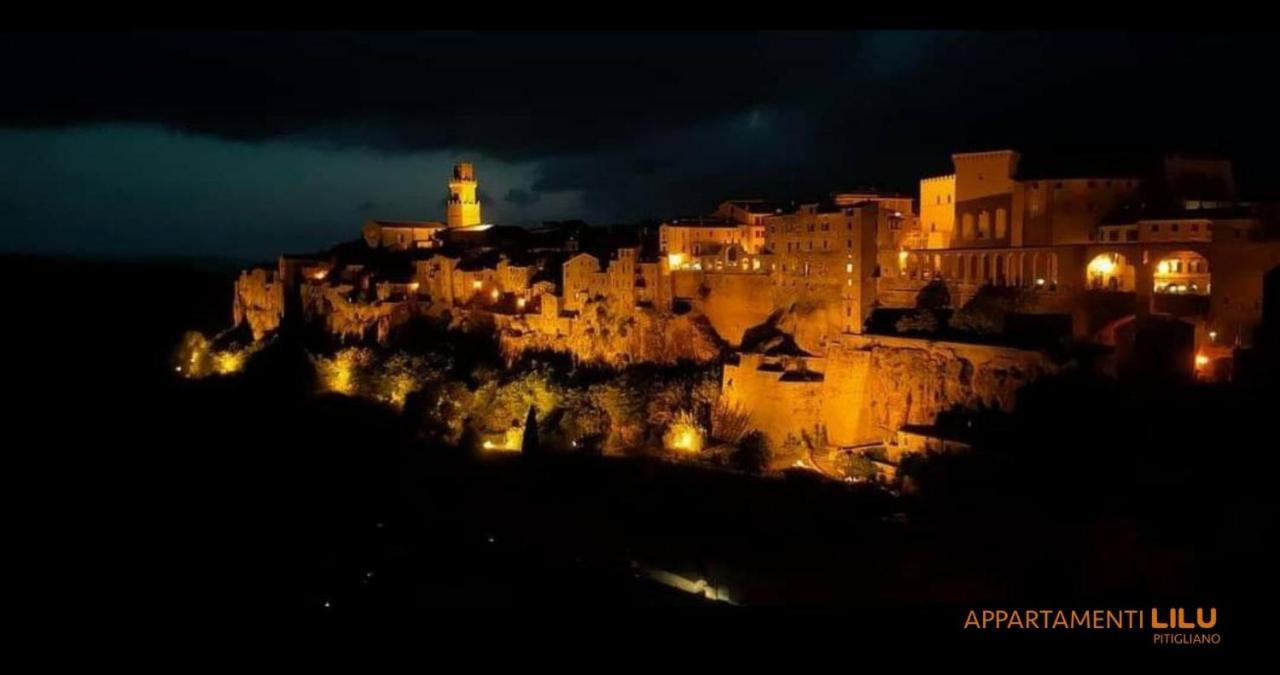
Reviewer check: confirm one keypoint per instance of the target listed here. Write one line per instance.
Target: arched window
(966, 226)
(1002, 223)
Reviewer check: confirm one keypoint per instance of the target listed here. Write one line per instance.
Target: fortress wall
(777, 407)
(872, 386)
(735, 302)
(910, 381)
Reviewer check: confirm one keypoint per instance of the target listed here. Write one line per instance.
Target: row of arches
(1011, 268)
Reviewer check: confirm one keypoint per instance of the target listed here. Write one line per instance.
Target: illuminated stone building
(462, 211)
(463, 206)
(402, 235)
(1063, 239)
(737, 226)
(826, 254)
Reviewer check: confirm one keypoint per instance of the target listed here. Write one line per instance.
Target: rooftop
(407, 223)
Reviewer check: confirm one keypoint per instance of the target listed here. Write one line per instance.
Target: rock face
(734, 303)
(356, 319)
(865, 388)
(810, 324)
(913, 384)
(258, 301)
(603, 334)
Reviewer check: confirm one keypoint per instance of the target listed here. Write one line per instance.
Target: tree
(753, 454)
(985, 313)
(935, 295)
(530, 444)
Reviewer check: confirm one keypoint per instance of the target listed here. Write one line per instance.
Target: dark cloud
(521, 197)
(511, 95)
(653, 124)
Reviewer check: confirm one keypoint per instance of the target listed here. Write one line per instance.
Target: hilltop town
(858, 321)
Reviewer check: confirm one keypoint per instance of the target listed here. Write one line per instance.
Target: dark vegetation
(250, 498)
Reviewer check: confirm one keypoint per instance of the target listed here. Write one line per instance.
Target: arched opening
(1110, 272)
(1182, 272)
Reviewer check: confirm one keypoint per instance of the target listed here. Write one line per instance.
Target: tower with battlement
(464, 206)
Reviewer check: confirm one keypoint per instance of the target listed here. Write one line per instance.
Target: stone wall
(865, 388)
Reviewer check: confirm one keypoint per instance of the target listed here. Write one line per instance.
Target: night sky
(246, 145)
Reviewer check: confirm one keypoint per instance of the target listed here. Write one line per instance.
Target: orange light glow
(1102, 265)
(1201, 360)
(510, 441)
(684, 434)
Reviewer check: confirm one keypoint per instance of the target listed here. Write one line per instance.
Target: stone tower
(464, 207)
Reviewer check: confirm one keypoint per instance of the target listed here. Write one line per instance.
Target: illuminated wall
(866, 388)
(938, 210)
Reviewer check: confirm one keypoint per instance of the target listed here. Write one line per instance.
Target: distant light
(1213, 336)
(178, 368)
(1040, 281)
(495, 294)
(1201, 360)
(477, 284)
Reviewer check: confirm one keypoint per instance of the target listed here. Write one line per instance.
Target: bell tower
(464, 207)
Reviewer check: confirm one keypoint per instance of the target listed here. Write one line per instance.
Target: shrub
(729, 422)
(919, 321)
(753, 454)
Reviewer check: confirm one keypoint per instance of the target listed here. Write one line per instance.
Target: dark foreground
(244, 501)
